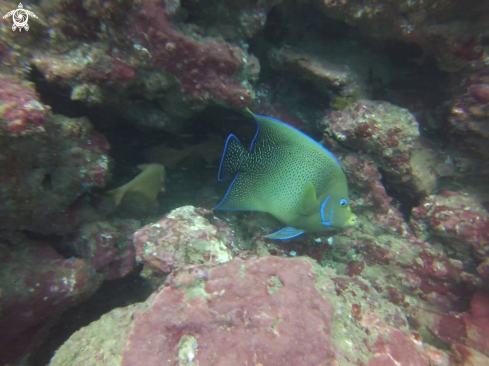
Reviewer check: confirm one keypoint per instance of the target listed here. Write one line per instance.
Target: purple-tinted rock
(37, 285)
(46, 161)
(390, 135)
(107, 246)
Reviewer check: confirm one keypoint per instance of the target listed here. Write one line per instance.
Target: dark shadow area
(419, 86)
(112, 294)
(405, 202)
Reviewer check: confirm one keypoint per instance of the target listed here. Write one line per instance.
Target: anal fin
(287, 232)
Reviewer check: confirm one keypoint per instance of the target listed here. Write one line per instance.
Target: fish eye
(343, 202)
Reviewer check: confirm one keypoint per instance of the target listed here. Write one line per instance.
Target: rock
(47, 161)
(458, 220)
(466, 333)
(469, 116)
(183, 237)
(107, 246)
(327, 75)
(455, 45)
(390, 135)
(37, 285)
(193, 63)
(269, 310)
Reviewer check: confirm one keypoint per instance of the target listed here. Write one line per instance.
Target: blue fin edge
(226, 196)
(294, 233)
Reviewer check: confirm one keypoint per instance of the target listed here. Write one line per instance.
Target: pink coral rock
(107, 246)
(467, 333)
(459, 220)
(37, 285)
(46, 161)
(265, 312)
(204, 69)
(390, 135)
(469, 116)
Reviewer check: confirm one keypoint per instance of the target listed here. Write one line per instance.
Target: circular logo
(20, 19)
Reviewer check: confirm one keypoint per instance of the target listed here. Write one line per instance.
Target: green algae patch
(196, 289)
(187, 350)
(274, 284)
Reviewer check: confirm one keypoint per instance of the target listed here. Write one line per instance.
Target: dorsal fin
(232, 158)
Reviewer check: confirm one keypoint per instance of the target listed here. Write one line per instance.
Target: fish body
(148, 183)
(288, 175)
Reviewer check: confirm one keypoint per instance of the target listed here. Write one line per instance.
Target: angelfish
(288, 175)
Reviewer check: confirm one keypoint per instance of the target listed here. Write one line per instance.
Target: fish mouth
(352, 220)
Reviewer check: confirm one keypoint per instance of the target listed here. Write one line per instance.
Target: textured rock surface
(459, 221)
(46, 161)
(466, 332)
(106, 246)
(37, 285)
(454, 44)
(390, 135)
(122, 51)
(179, 70)
(258, 318)
(267, 311)
(183, 237)
(469, 117)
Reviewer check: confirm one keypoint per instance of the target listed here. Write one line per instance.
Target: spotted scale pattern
(281, 161)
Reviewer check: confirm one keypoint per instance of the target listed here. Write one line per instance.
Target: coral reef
(183, 237)
(326, 75)
(37, 285)
(106, 246)
(47, 161)
(460, 222)
(454, 44)
(292, 299)
(112, 53)
(166, 81)
(465, 333)
(470, 115)
(390, 135)
(204, 70)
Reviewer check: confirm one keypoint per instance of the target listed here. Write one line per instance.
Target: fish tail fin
(232, 158)
(118, 194)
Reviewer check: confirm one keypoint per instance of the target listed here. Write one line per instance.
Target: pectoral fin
(309, 203)
(285, 233)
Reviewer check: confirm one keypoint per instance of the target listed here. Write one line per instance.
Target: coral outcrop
(46, 162)
(183, 237)
(256, 310)
(390, 135)
(460, 222)
(106, 246)
(37, 285)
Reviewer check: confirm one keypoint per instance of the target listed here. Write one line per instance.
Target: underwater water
(273, 182)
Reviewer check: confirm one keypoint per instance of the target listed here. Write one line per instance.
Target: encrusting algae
(148, 183)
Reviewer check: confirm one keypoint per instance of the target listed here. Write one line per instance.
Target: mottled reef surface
(398, 90)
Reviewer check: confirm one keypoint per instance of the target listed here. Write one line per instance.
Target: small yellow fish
(148, 183)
